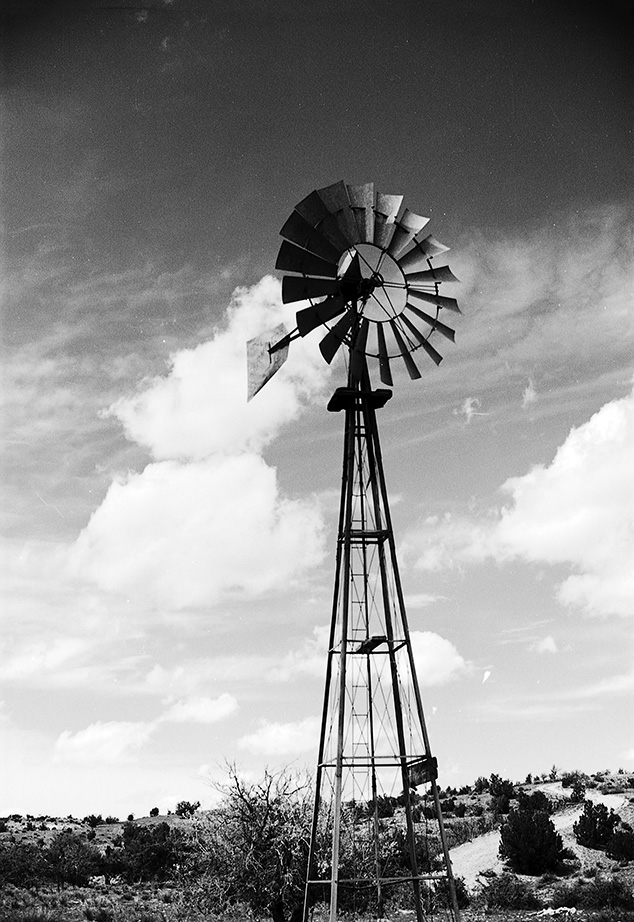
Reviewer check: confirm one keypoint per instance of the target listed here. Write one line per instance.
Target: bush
(93, 820)
(595, 827)
(500, 804)
(481, 785)
(621, 846)
(508, 892)
(501, 787)
(71, 860)
(154, 811)
(186, 808)
(537, 802)
(151, 852)
(530, 843)
(600, 893)
(253, 849)
(607, 893)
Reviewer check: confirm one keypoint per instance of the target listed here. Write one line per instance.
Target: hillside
(473, 816)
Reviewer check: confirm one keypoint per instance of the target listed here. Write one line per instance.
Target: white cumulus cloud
(181, 535)
(437, 660)
(200, 709)
(200, 408)
(207, 517)
(580, 510)
(282, 738)
(577, 510)
(110, 742)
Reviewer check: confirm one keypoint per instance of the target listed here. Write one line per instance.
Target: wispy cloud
(548, 644)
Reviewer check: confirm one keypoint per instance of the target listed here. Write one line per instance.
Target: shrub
(537, 802)
(595, 827)
(481, 785)
(186, 808)
(530, 843)
(154, 811)
(607, 893)
(500, 804)
(568, 895)
(71, 860)
(600, 893)
(501, 787)
(508, 892)
(621, 846)
(93, 820)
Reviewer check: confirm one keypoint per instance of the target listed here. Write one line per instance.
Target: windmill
(364, 264)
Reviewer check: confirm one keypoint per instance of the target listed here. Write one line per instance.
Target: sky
(168, 548)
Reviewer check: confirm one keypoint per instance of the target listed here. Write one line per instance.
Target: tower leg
(374, 747)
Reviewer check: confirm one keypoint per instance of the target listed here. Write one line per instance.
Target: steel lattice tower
(373, 740)
(363, 263)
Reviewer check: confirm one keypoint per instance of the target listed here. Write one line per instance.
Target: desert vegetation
(246, 859)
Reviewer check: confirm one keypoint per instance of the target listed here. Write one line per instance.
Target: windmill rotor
(363, 262)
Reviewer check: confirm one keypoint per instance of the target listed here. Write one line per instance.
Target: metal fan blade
(435, 274)
(433, 322)
(358, 361)
(406, 229)
(384, 361)
(352, 272)
(261, 362)
(422, 250)
(335, 198)
(311, 317)
(362, 204)
(439, 300)
(429, 349)
(313, 210)
(296, 288)
(294, 259)
(298, 230)
(410, 364)
(385, 211)
(334, 338)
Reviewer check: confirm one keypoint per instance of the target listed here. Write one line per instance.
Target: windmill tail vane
(364, 264)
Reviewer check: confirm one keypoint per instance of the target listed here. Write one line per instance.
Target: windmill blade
(410, 364)
(334, 338)
(385, 211)
(313, 210)
(384, 361)
(314, 316)
(435, 274)
(294, 259)
(362, 204)
(262, 363)
(423, 341)
(450, 303)
(406, 229)
(433, 322)
(300, 288)
(298, 230)
(358, 361)
(335, 198)
(424, 249)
